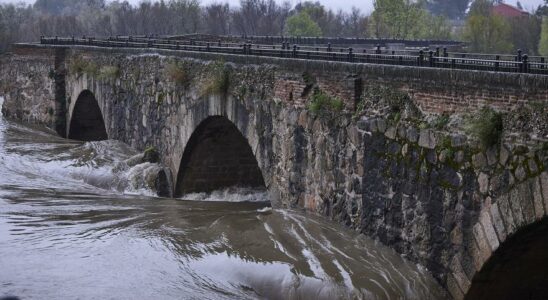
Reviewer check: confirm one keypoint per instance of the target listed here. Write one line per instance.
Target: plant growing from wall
(78, 66)
(108, 73)
(441, 121)
(220, 79)
(323, 104)
(177, 74)
(486, 126)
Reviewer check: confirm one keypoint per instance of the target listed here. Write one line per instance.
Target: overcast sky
(364, 5)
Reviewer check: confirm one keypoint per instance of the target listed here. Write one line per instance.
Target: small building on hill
(508, 11)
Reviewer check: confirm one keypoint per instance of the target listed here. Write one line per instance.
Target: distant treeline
(404, 19)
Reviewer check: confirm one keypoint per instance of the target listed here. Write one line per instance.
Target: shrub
(322, 103)
(109, 73)
(486, 126)
(441, 121)
(177, 74)
(78, 65)
(220, 81)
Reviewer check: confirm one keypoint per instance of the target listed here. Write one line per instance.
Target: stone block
(526, 200)
(507, 214)
(515, 206)
(491, 155)
(504, 155)
(427, 139)
(544, 188)
(479, 160)
(454, 288)
(497, 222)
(390, 132)
(537, 199)
(520, 173)
(412, 134)
(458, 273)
(489, 230)
(483, 182)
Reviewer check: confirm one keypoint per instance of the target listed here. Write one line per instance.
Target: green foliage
(486, 32)
(486, 126)
(109, 73)
(78, 66)
(454, 9)
(302, 24)
(543, 44)
(176, 73)
(219, 82)
(402, 19)
(323, 104)
(441, 121)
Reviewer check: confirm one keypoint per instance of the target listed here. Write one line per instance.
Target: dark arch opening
(87, 122)
(217, 156)
(518, 269)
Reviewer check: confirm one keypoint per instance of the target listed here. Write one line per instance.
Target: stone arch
(518, 269)
(217, 156)
(86, 120)
(506, 255)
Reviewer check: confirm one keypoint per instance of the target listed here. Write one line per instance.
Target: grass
(78, 65)
(220, 81)
(486, 126)
(108, 73)
(322, 103)
(177, 74)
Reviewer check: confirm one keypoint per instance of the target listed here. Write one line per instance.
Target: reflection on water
(69, 229)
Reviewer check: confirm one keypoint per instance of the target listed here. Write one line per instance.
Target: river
(72, 228)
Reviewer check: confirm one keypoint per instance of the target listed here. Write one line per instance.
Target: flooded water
(71, 227)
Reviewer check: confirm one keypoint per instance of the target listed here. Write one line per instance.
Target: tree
(302, 24)
(486, 32)
(405, 19)
(454, 9)
(543, 44)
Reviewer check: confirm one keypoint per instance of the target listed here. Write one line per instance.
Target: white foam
(231, 194)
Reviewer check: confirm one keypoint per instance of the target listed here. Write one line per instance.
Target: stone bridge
(474, 216)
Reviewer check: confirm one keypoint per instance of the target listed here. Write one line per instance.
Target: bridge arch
(86, 119)
(217, 156)
(506, 256)
(518, 269)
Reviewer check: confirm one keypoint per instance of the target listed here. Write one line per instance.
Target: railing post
(431, 58)
(453, 63)
(350, 54)
(294, 51)
(525, 63)
(497, 64)
(420, 59)
(542, 60)
(42, 41)
(207, 47)
(329, 47)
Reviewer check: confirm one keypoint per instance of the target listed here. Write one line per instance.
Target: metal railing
(433, 59)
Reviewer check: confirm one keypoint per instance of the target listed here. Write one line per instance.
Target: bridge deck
(432, 59)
